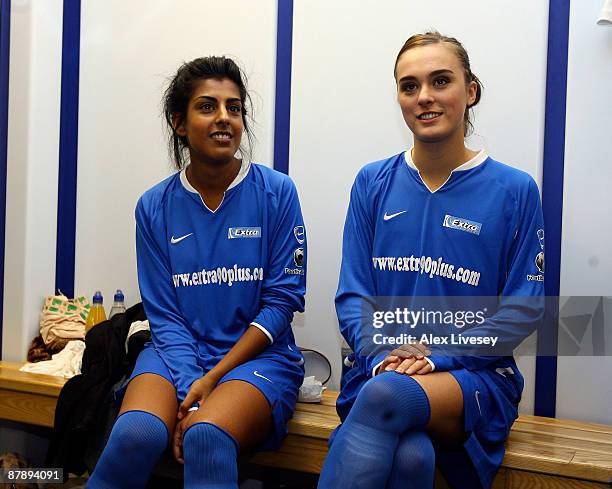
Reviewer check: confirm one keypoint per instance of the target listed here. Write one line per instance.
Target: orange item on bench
(63, 318)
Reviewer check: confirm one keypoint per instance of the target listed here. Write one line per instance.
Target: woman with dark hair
(221, 269)
(439, 221)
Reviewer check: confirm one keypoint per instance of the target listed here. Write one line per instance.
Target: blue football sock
(457, 468)
(414, 463)
(136, 443)
(210, 458)
(361, 455)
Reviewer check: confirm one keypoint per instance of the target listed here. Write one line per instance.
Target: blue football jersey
(205, 276)
(480, 234)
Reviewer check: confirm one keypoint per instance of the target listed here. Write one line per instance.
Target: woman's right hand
(197, 394)
(408, 359)
(177, 438)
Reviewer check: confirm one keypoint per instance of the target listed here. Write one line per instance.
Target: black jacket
(86, 407)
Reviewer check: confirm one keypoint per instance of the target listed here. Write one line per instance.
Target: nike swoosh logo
(257, 374)
(174, 240)
(386, 217)
(478, 401)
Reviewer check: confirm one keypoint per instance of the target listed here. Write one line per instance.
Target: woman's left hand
(408, 359)
(197, 394)
(410, 366)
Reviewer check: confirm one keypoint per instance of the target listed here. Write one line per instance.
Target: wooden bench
(541, 452)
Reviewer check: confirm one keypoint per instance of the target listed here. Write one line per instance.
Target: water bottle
(96, 313)
(118, 304)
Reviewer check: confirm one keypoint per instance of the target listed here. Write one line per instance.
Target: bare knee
(153, 394)
(198, 418)
(206, 417)
(224, 408)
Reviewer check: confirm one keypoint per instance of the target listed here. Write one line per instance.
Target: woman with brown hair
(439, 220)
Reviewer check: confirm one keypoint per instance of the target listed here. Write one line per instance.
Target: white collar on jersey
(244, 170)
(468, 165)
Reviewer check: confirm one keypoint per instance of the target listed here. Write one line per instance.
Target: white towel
(66, 363)
(135, 327)
(605, 17)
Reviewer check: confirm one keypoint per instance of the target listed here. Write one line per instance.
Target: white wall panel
(32, 162)
(584, 390)
(344, 112)
(128, 50)
(343, 115)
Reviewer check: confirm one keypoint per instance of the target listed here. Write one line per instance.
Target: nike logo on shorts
(257, 374)
(386, 217)
(174, 240)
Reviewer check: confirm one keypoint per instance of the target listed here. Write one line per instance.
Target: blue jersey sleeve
(356, 282)
(521, 302)
(284, 283)
(170, 332)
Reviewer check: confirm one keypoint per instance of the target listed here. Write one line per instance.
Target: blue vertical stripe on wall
(68, 145)
(552, 200)
(282, 105)
(5, 39)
